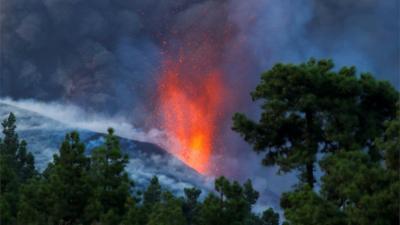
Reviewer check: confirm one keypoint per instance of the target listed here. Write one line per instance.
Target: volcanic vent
(192, 94)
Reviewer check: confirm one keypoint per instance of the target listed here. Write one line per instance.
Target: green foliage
(134, 215)
(308, 108)
(191, 206)
(231, 206)
(110, 184)
(305, 207)
(96, 189)
(363, 189)
(35, 203)
(16, 167)
(68, 181)
(211, 211)
(110, 218)
(25, 162)
(250, 194)
(270, 217)
(152, 195)
(355, 189)
(10, 142)
(389, 143)
(167, 212)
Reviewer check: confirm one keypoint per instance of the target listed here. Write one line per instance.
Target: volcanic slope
(45, 135)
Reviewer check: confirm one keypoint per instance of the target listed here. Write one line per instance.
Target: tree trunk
(311, 148)
(310, 174)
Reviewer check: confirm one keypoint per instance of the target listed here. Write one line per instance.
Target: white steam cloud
(75, 117)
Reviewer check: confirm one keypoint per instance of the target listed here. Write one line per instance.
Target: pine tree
(109, 181)
(211, 212)
(134, 215)
(355, 189)
(35, 202)
(25, 163)
(16, 167)
(68, 182)
(152, 195)
(191, 206)
(305, 207)
(232, 206)
(309, 108)
(10, 142)
(250, 194)
(270, 217)
(167, 212)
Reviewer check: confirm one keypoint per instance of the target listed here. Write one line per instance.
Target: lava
(190, 107)
(193, 93)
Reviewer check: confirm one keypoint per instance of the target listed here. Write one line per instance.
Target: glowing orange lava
(190, 105)
(193, 93)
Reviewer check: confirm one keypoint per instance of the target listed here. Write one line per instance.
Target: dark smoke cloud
(364, 33)
(99, 54)
(93, 52)
(106, 55)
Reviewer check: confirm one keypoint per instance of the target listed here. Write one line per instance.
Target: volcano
(45, 135)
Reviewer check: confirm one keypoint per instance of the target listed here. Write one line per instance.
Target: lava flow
(190, 105)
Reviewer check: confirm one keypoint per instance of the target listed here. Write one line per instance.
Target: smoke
(90, 53)
(105, 57)
(77, 118)
(361, 33)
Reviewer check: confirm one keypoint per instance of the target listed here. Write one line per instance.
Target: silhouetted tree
(309, 108)
(355, 189)
(68, 182)
(96, 189)
(270, 217)
(152, 195)
(191, 205)
(110, 183)
(167, 212)
(16, 167)
(232, 206)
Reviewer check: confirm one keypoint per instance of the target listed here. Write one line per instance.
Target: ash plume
(97, 53)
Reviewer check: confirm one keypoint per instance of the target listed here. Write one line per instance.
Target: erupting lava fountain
(192, 96)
